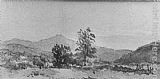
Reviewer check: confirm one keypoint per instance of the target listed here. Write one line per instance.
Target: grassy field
(70, 74)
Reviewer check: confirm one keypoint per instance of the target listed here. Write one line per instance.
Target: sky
(118, 25)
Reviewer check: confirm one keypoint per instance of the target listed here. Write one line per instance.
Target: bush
(11, 66)
(24, 65)
(18, 66)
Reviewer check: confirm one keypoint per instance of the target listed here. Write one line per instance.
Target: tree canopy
(85, 40)
(61, 56)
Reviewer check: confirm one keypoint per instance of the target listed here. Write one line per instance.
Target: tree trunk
(84, 60)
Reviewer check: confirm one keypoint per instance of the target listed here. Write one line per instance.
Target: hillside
(44, 44)
(18, 41)
(22, 49)
(142, 54)
(107, 54)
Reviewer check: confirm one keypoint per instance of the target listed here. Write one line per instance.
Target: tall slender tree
(85, 41)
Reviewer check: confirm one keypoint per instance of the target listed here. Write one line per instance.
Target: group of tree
(64, 57)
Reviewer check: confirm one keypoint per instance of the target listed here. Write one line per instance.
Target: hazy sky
(116, 25)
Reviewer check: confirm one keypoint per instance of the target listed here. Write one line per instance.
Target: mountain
(140, 55)
(48, 44)
(44, 44)
(18, 41)
(108, 54)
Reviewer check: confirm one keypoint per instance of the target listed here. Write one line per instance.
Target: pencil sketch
(79, 39)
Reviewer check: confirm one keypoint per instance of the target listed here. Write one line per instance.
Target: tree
(61, 56)
(40, 60)
(85, 41)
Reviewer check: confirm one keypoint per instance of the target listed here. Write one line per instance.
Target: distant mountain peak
(15, 39)
(59, 35)
(48, 44)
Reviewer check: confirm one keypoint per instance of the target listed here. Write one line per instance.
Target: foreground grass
(69, 74)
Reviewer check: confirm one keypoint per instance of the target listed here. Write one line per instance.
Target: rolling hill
(108, 54)
(18, 48)
(140, 55)
(18, 41)
(44, 44)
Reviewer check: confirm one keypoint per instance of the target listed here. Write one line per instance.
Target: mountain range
(123, 56)
(45, 46)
